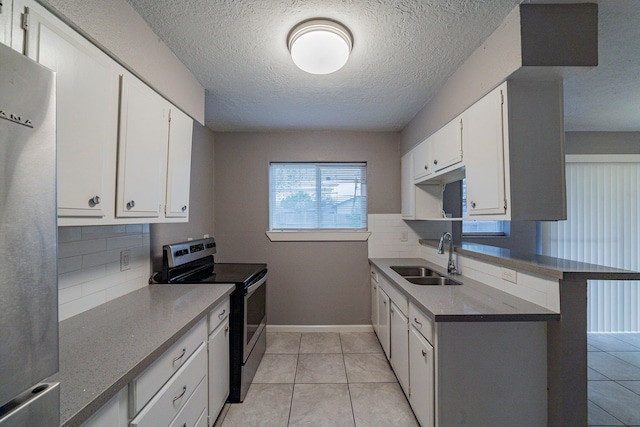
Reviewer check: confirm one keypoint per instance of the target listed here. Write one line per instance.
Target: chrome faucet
(451, 265)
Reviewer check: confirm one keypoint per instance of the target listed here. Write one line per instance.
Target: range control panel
(180, 253)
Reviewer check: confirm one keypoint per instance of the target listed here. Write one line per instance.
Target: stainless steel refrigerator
(28, 250)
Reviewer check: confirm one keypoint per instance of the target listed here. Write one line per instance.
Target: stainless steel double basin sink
(423, 276)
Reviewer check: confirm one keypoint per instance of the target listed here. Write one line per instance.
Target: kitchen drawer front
(149, 382)
(396, 296)
(172, 397)
(218, 314)
(190, 413)
(203, 420)
(421, 322)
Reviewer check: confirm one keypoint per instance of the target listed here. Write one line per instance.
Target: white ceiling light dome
(320, 46)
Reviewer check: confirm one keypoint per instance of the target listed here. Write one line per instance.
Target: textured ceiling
(404, 50)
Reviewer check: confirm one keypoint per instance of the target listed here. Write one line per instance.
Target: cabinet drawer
(421, 322)
(396, 296)
(191, 411)
(172, 397)
(218, 314)
(149, 382)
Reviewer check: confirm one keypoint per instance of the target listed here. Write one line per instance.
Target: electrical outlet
(206, 236)
(404, 236)
(125, 260)
(509, 275)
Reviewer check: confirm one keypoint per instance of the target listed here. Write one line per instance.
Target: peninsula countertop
(471, 302)
(556, 268)
(104, 348)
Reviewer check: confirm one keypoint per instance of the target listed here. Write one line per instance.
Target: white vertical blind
(602, 227)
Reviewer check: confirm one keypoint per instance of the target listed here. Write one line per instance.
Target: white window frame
(317, 234)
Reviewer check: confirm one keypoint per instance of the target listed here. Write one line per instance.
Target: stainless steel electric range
(193, 262)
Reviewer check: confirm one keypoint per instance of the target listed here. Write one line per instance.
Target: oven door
(255, 314)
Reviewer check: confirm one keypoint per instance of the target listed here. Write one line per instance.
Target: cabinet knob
(184, 208)
(424, 353)
(95, 200)
(473, 204)
(435, 162)
(131, 204)
(426, 167)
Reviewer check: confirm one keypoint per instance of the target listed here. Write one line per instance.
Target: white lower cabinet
(374, 301)
(112, 414)
(384, 327)
(400, 346)
(172, 397)
(421, 396)
(218, 369)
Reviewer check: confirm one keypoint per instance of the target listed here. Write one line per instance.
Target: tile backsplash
(89, 265)
(388, 232)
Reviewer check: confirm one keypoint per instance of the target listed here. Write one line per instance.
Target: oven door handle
(251, 289)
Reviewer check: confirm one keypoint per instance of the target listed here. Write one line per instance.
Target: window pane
(317, 196)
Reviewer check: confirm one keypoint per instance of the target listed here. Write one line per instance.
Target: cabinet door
(407, 187)
(422, 162)
(142, 150)
(218, 368)
(374, 304)
(422, 397)
(111, 414)
(400, 346)
(87, 113)
(179, 164)
(384, 331)
(446, 145)
(484, 155)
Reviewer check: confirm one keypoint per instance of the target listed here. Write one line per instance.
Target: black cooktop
(233, 272)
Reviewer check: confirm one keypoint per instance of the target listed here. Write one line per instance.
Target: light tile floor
(614, 379)
(322, 379)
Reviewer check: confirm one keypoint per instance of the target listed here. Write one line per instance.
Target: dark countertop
(102, 349)
(471, 302)
(557, 268)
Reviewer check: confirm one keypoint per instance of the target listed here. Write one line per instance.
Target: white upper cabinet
(124, 152)
(407, 195)
(179, 164)
(87, 113)
(422, 167)
(484, 156)
(509, 146)
(142, 150)
(446, 145)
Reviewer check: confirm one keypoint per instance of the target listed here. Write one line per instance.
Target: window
(317, 196)
(480, 228)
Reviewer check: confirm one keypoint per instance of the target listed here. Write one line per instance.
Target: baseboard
(319, 328)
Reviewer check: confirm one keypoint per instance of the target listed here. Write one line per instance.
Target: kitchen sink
(411, 271)
(432, 280)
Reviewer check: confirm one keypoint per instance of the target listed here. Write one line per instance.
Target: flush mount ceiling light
(320, 46)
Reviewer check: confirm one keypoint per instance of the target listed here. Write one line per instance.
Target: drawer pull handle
(184, 390)
(424, 353)
(415, 319)
(226, 330)
(184, 351)
(222, 314)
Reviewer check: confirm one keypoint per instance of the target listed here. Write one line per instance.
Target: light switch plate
(404, 236)
(125, 260)
(510, 275)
